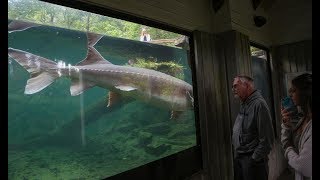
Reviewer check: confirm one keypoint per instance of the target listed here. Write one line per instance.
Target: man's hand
(255, 162)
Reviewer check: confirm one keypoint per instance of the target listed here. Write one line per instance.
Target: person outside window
(145, 36)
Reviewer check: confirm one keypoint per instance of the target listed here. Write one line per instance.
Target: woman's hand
(286, 117)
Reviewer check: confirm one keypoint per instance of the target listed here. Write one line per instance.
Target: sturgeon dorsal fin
(77, 88)
(93, 57)
(113, 98)
(93, 38)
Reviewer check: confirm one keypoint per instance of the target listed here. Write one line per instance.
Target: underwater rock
(159, 129)
(157, 150)
(183, 133)
(145, 138)
(127, 127)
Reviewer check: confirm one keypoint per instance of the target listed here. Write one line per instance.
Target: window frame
(176, 166)
(273, 113)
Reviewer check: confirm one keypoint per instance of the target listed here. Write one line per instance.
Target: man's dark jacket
(253, 131)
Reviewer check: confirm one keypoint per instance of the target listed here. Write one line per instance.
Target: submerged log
(181, 41)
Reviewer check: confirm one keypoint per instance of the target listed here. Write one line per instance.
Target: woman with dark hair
(297, 140)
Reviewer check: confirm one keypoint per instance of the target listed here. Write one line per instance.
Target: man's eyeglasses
(234, 86)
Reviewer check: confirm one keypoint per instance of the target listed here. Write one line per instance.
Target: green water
(46, 139)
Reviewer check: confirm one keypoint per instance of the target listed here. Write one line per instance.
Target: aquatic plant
(168, 67)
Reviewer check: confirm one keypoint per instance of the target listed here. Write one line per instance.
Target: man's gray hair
(246, 79)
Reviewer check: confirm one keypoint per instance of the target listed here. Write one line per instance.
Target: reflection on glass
(258, 53)
(86, 104)
(262, 76)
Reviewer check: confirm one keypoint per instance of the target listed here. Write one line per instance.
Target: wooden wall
(237, 61)
(242, 20)
(213, 106)
(294, 57)
(287, 20)
(218, 59)
(184, 14)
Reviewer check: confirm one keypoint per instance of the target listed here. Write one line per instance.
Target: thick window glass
(262, 76)
(91, 96)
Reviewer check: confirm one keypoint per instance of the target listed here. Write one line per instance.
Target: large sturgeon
(148, 85)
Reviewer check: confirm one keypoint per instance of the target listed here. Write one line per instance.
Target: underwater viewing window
(92, 96)
(262, 75)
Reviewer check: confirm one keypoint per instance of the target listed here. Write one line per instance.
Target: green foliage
(253, 49)
(55, 15)
(168, 67)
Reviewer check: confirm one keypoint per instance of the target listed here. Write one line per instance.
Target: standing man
(253, 134)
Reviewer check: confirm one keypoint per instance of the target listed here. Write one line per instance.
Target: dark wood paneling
(231, 70)
(243, 55)
(237, 59)
(219, 58)
(308, 55)
(213, 106)
(300, 57)
(224, 115)
(294, 57)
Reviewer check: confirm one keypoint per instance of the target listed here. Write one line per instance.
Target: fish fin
(93, 38)
(77, 88)
(92, 53)
(175, 114)
(39, 81)
(93, 57)
(17, 25)
(125, 88)
(41, 69)
(32, 63)
(113, 98)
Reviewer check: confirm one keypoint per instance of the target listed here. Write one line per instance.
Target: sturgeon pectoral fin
(113, 98)
(77, 88)
(126, 88)
(38, 82)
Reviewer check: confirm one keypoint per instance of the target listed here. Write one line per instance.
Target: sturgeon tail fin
(42, 71)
